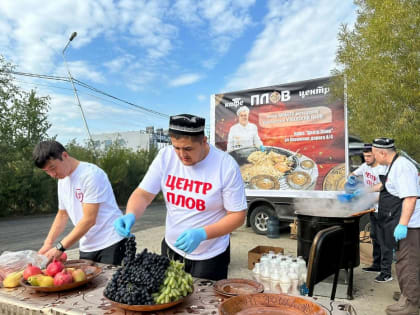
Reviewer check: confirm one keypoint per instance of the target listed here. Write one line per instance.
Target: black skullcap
(367, 146)
(186, 124)
(383, 143)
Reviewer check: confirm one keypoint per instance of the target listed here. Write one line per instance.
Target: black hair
(195, 138)
(47, 150)
(367, 147)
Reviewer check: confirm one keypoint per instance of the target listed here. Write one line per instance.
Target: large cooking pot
(241, 155)
(310, 225)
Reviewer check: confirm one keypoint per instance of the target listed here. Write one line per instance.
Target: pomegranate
(31, 271)
(63, 277)
(63, 257)
(54, 268)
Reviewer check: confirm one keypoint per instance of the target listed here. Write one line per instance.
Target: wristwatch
(60, 247)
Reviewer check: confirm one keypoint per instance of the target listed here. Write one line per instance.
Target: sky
(165, 56)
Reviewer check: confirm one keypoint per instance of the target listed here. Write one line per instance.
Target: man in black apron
(400, 224)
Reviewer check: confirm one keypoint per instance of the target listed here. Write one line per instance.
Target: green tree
(380, 59)
(23, 123)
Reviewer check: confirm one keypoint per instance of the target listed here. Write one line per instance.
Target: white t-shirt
(89, 184)
(370, 176)
(241, 137)
(402, 182)
(196, 195)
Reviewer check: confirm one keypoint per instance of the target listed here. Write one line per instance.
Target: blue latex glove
(190, 239)
(357, 193)
(123, 224)
(262, 148)
(352, 180)
(400, 232)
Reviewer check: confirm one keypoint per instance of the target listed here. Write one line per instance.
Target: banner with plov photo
(287, 137)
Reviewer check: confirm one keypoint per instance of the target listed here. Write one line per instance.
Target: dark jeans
(374, 225)
(110, 255)
(215, 268)
(385, 236)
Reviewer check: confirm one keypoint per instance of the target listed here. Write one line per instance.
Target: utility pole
(73, 35)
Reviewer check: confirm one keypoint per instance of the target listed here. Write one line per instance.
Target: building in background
(134, 140)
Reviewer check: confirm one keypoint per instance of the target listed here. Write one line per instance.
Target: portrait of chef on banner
(243, 134)
(284, 137)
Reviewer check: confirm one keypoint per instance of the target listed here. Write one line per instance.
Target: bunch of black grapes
(140, 276)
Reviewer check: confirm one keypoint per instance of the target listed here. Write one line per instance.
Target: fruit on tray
(63, 277)
(176, 285)
(31, 270)
(46, 281)
(12, 280)
(54, 267)
(147, 279)
(63, 257)
(34, 280)
(78, 275)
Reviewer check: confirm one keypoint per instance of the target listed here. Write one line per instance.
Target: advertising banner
(288, 137)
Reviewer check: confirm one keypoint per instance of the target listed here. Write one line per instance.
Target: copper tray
(148, 308)
(91, 272)
(269, 304)
(234, 287)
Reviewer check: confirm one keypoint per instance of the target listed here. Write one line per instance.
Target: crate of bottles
(254, 255)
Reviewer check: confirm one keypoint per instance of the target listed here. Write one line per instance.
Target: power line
(107, 101)
(83, 93)
(87, 86)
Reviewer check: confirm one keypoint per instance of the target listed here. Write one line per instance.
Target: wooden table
(89, 300)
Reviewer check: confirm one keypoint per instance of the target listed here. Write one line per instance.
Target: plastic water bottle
(352, 184)
(284, 282)
(275, 283)
(257, 272)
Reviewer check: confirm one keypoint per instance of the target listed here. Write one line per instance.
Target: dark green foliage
(23, 123)
(380, 60)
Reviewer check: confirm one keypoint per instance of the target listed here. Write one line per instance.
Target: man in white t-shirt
(370, 170)
(85, 196)
(204, 195)
(243, 134)
(398, 198)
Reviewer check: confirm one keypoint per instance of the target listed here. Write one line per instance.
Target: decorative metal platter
(235, 287)
(269, 304)
(148, 308)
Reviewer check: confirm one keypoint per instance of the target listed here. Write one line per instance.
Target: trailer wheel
(259, 218)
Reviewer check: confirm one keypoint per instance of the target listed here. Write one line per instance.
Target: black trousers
(215, 268)
(385, 233)
(109, 255)
(374, 225)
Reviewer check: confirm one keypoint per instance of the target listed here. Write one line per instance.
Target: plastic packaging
(16, 261)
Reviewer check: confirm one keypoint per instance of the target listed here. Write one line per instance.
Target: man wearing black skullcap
(204, 194)
(370, 171)
(400, 211)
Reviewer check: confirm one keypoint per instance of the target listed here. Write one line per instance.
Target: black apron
(388, 205)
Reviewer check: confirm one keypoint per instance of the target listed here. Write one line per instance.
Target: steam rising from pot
(333, 207)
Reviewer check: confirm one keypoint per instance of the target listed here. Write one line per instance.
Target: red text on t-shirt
(190, 185)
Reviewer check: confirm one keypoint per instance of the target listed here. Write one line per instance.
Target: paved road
(30, 232)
